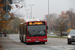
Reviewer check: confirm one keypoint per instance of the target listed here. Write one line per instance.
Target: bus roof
(28, 20)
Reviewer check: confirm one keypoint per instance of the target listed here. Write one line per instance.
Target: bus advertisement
(33, 31)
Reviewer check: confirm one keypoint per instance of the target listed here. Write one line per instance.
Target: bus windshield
(36, 30)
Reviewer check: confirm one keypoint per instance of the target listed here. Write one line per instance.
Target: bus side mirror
(47, 27)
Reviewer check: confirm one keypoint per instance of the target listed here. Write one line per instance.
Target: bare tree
(52, 18)
(62, 22)
(71, 14)
(17, 6)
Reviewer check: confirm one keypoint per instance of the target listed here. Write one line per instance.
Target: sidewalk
(1, 47)
(0, 42)
(8, 44)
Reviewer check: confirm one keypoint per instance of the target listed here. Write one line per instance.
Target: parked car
(71, 37)
(51, 33)
(64, 33)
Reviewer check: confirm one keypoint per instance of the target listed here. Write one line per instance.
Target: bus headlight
(45, 39)
(69, 36)
(28, 39)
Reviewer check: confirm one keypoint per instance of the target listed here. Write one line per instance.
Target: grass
(56, 37)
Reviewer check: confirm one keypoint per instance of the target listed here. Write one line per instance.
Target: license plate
(37, 41)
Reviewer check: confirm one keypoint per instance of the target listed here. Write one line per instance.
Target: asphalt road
(13, 43)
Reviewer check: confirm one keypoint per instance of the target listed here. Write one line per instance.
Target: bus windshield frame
(36, 29)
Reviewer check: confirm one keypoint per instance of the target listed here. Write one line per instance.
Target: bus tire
(69, 42)
(22, 39)
(25, 41)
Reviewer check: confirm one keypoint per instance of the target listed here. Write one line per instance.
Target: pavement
(13, 43)
(8, 44)
(1, 47)
(0, 43)
(51, 44)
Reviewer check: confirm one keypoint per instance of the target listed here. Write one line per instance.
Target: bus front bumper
(37, 41)
(34, 40)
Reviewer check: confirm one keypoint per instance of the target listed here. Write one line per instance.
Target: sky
(40, 7)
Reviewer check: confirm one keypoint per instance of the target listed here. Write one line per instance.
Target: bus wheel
(22, 40)
(25, 41)
(43, 42)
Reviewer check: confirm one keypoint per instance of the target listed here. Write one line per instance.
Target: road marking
(33, 49)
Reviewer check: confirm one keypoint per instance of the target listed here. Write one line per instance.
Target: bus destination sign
(36, 23)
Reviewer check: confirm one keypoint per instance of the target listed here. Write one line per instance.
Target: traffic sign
(3, 1)
(7, 8)
(10, 1)
(6, 16)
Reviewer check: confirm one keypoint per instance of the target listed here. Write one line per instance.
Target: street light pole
(48, 16)
(31, 9)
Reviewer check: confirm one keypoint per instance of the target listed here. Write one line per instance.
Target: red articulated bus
(33, 31)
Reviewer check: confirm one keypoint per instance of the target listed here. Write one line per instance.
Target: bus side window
(26, 29)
